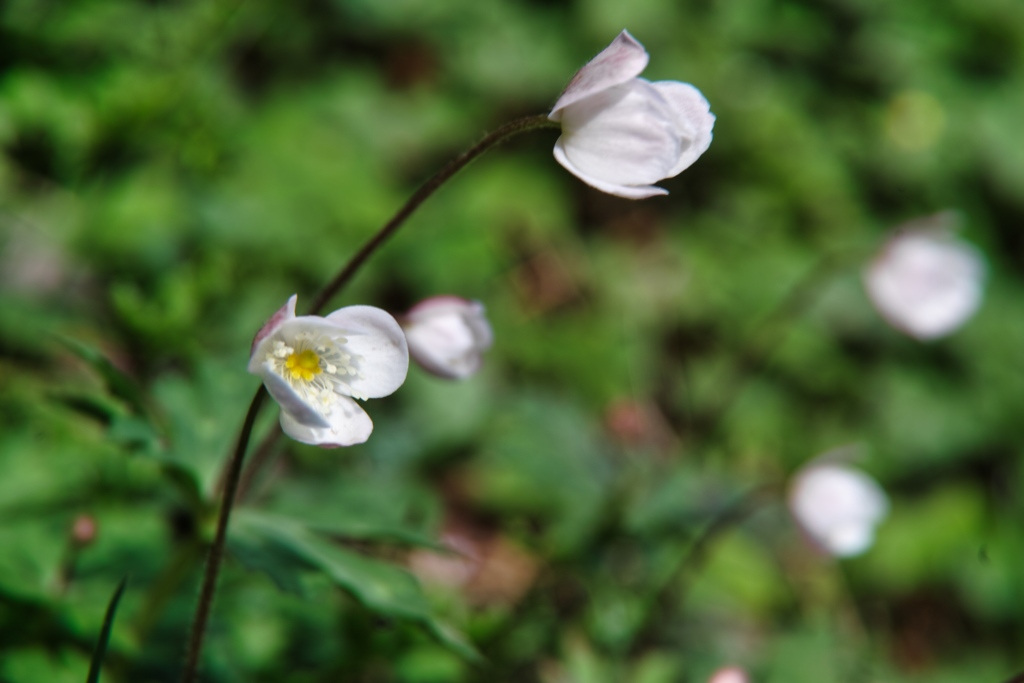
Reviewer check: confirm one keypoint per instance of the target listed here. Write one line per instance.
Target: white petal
(626, 191)
(694, 121)
(838, 507)
(378, 340)
(258, 351)
(926, 283)
(625, 135)
(849, 540)
(621, 61)
(290, 401)
(349, 425)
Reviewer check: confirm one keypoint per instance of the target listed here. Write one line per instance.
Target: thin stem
(232, 476)
(428, 188)
(202, 616)
(348, 271)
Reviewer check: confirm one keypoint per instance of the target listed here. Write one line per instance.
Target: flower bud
(83, 530)
(620, 133)
(447, 336)
(926, 282)
(838, 506)
(730, 674)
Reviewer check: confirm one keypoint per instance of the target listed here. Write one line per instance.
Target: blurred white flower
(730, 674)
(838, 506)
(314, 367)
(926, 282)
(620, 133)
(448, 335)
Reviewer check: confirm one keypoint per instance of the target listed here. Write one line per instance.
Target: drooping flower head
(620, 133)
(447, 335)
(838, 506)
(925, 282)
(315, 366)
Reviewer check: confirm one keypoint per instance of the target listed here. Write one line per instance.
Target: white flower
(448, 335)
(925, 282)
(314, 367)
(730, 674)
(621, 134)
(838, 506)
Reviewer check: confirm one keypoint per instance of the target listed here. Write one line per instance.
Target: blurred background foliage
(172, 170)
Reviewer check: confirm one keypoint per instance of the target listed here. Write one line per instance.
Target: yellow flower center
(304, 365)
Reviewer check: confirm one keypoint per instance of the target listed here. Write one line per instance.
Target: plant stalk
(216, 557)
(428, 188)
(233, 475)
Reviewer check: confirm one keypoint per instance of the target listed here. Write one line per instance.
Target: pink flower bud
(83, 530)
(447, 336)
(730, 674)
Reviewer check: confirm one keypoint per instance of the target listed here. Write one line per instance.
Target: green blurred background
(173, 170)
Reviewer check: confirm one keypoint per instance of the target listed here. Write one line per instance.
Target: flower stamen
(303, 365)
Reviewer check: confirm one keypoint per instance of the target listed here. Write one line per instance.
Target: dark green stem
(428, 188)
(216, 557)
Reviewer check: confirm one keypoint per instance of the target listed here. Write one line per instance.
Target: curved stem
(348, 271)
(202, 616)
(232, 475)
(421, 195)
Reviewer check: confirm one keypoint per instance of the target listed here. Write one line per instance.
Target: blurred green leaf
(381, 587)
(118, 383)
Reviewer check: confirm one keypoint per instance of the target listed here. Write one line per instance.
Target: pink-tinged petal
(427, 306)
(621, 61)
(283, 314)
(349, 425)
(625, 191)
(377, 340)
(693, 119)
(730, 674)
(291, 403)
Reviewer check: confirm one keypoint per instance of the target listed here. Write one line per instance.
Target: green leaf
(379, 586)
(108, 625)
(118, 383)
